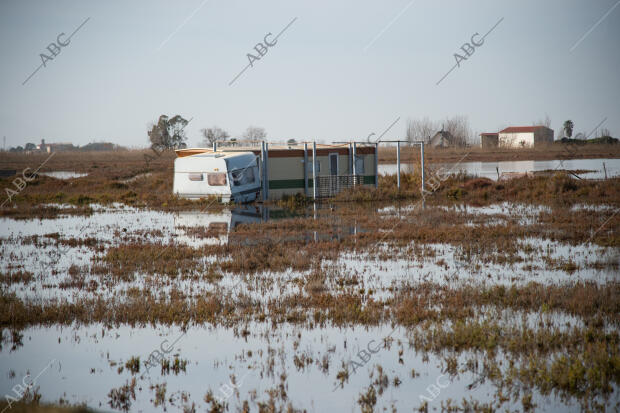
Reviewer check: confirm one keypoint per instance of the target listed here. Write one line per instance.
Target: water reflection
(63, 174)
(195, 228)
(491, 170)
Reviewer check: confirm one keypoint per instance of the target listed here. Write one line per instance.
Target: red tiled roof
(520, 129)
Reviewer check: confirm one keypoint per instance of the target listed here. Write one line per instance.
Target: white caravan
(233, 176)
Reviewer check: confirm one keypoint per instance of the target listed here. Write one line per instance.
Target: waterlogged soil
(327, 307)
(478, 295)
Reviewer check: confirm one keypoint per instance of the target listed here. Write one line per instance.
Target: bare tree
(546, 121)
(604, 132)
(458, 126)
(212, 135)
(420, 129)
(254, 133)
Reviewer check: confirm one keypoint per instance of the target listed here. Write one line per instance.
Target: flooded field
(588, 168)
(201, 208)
(478, 296)
(63, 174)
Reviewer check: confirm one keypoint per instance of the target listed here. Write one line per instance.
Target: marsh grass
(108, 181)
(291, 276)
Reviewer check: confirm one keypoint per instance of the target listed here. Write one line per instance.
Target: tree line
(423, 129)
(169, 133)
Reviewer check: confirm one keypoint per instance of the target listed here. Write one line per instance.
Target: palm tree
(568, 128)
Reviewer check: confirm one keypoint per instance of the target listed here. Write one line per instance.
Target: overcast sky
(342, 70)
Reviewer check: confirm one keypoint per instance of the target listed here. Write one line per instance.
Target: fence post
(314, 187)
(398, 164)
(422, 162)
(214, 146)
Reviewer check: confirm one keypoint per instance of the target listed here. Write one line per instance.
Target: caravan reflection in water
(196, 229)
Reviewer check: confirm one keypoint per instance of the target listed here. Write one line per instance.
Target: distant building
(489, 140)
(525, 136)
(42, 146)
(55, 147)
(99, 146)
(442, 139)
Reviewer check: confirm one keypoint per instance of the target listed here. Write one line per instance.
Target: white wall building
(525, 136)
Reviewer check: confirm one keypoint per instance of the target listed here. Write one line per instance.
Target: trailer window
(216, 179)
(195, 177)
(359, 165)
(242, 176)
(309, 167)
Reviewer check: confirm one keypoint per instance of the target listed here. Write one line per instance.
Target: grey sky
(337, 73)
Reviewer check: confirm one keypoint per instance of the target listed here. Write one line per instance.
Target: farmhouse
(525, 136)
(54, 147)
(442, 139)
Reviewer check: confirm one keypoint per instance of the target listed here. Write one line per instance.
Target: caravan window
(242, 176)
(309, 166)
(359, 165)
(216, 179)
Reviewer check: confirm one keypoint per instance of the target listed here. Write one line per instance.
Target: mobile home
(279, 170)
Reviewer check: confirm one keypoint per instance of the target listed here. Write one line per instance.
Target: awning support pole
(354, 167)
(377, 165)
(314, 188)
(262, 170)
(267, 170)
(305, 169)
(350, 158)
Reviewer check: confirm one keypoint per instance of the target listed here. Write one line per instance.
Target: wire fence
(331, 185)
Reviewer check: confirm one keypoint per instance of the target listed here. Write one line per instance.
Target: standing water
(490, 169)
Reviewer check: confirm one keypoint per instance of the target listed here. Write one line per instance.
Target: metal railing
(331, 185)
